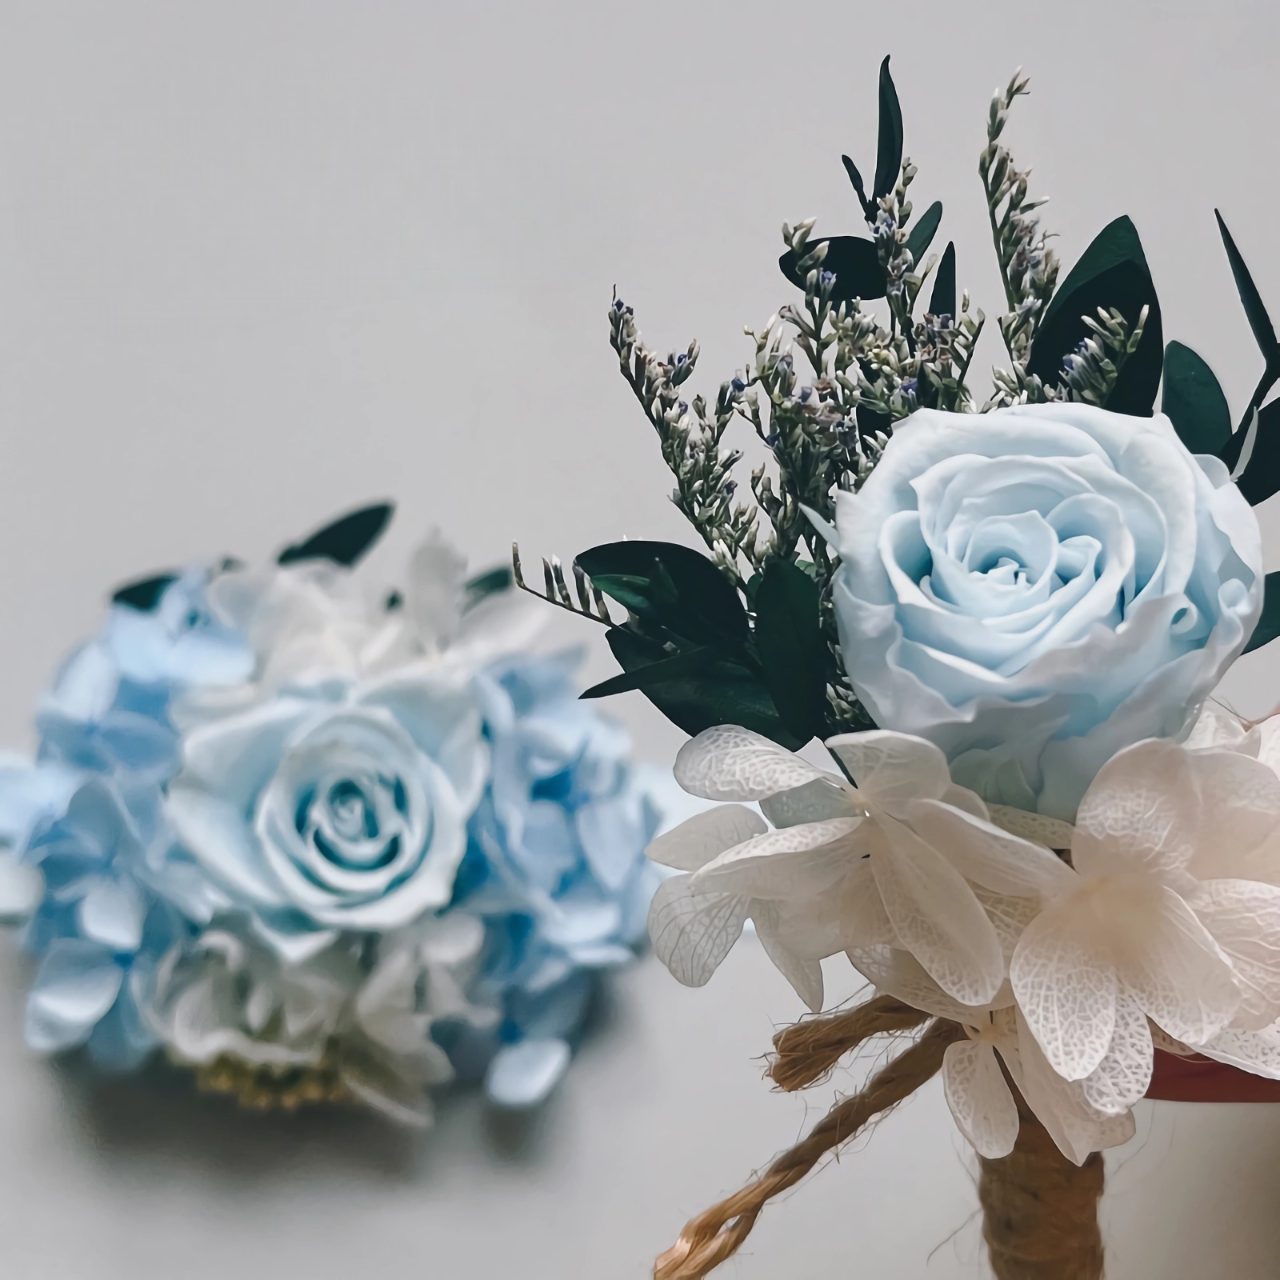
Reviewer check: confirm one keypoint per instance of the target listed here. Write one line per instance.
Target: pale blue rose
(555, 866)
(329, 806)
(1035, 589)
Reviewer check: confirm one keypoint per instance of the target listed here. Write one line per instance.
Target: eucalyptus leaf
(1193, 400)
(889, 143)
(145, 593)
(1112, 273)
(345, 540)
(789, 640)
(942, 301)
(852, 260)
(1268, 627)
(921, 236)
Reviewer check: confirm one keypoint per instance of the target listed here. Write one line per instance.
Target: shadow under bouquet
(1054, 857)
(322, 842)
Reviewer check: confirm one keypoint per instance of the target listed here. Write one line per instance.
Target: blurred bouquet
(323, 844)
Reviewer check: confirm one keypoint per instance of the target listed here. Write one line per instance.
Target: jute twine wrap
(1041, 1210)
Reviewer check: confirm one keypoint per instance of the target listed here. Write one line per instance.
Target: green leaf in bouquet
(942, 301)
(720, 692)
(144, 594)
(889, 142)
(1260, 476)
(1268, 627)
(1264, 332)
(1111, 273)
(792, 651)
(486, 584)
(651, 673)
(345, 540)
(922, 233)
(853, 261)
(868, 206)
(1194, 401)
(671, 586)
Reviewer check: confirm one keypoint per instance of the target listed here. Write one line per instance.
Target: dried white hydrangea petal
(793, 862)
(1172, 965)
(804, 974)
(1066, 988)
(818, 799)
(1039, 828)
(936, 916)
(891, 769)
(1075, 1127)
(1255, 1051)
(692, 932)
(979, 1098)
(1243, 917)
(897, 973)
(727, 762)
(1124, 1074)
(1009, 916)
(1139, 812)
(984, 854)
(699, 839)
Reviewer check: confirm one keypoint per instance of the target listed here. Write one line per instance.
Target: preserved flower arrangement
(320, 842)
(1051, 853)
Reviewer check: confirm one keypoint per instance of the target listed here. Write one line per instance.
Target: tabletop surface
(262, 262)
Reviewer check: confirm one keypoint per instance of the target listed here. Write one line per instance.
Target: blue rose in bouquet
(321, 843)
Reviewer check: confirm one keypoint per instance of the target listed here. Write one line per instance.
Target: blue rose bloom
(88, 816)
(555, 866)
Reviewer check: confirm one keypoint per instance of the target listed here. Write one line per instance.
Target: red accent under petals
(1197, 1079)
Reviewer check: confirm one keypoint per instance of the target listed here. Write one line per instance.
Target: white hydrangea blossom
(1066, 953)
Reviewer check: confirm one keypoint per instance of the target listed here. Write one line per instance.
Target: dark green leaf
(1112, 272)
(1268, 627)
(631, 592)
(345, 540)
(853, 261)
(1194, 401)
(789, 640)
(1263, 330)
(672, 586)
(722, 692)
(1261, 475)
(889, 146)
(942, 302)
(145, 593)
(483, 585)
(668, 668)
(868, 208)
(922, 233)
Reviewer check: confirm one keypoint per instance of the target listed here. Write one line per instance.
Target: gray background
(261, 261)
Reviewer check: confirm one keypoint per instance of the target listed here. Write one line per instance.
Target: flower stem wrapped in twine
(1040, 1209)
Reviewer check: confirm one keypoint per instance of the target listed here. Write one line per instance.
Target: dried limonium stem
(1028, 267)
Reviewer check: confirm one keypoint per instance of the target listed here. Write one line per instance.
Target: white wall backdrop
(262, 260)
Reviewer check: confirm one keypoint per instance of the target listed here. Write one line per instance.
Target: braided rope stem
(717, 1234)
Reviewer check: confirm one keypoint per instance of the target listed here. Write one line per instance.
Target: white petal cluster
(1067, 953)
